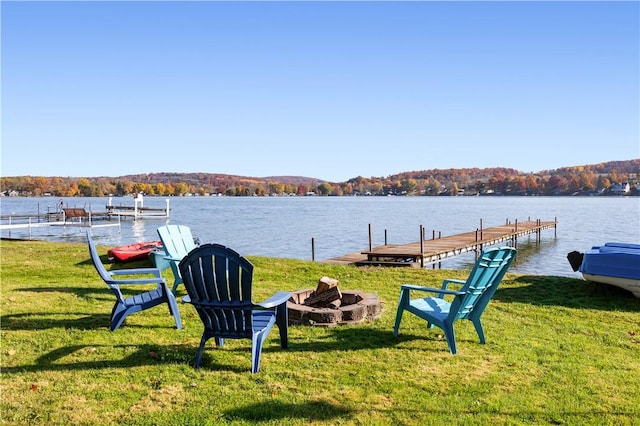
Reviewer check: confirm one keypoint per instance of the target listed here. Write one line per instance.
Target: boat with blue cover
(615, 263)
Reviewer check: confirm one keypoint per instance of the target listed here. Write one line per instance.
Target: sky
(329, 90)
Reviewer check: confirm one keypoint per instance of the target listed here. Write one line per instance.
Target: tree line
(589, 179)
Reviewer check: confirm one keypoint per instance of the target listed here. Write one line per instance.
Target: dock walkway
(67, 217)
(431, 251)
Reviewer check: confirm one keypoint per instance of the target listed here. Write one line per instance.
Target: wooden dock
(437, 249)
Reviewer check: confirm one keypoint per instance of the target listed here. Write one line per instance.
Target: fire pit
(327, 306)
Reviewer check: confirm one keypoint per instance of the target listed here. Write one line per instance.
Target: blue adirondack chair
(218, 282)
(468, 303)
(126, 306)
(177, 242)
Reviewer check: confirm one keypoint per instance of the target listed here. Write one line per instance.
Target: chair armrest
(277, 299)
(138, 281)
(139, 271)
(446, 283)
(173, 259)
(430, 289)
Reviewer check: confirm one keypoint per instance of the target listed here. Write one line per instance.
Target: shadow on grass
(568, 292)
(274, 410)
(48, 320)
(102, 293)
(346, 339)
(42, 321)
(268, 411)
(70, 358)
(113, 264)
(83, 292)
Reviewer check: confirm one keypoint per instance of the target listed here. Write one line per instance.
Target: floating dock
(435, 250)
(137, 210)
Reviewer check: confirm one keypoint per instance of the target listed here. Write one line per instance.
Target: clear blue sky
(331, 90)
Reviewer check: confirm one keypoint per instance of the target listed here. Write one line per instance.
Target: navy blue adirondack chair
(218, 282)
(148, 299)
(468, 303)
(177, 242)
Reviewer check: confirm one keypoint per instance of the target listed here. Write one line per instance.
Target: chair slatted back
(177, 240)
(482, 282)
(218, 281)
(102, 271)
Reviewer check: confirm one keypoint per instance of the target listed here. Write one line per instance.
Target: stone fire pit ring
(356, 307)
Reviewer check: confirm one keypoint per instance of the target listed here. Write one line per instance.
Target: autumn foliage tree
(563, 181)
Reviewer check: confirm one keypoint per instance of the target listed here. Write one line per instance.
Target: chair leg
(396, 327)
(176, 283)
(479, 330)
(450, 335)
(203, 340)
(173, 309)
(404, 301)
(176, 274)
(256, 351)
(118, 314)
(282, 321)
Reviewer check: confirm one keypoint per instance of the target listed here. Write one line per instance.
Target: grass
(559, 351)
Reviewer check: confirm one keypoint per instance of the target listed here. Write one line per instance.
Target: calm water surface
(285, 226)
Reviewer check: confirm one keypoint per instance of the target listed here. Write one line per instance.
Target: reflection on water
(138, 229)
(285, 226)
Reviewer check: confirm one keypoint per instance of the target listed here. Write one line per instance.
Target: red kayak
(132, 252)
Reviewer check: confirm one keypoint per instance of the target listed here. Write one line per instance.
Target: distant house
(620, 188)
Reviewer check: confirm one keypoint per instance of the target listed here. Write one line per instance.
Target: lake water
(285, 226)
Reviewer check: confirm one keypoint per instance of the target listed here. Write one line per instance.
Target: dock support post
(385, 237)
(313, 250)
(421, 246)
(370, 246)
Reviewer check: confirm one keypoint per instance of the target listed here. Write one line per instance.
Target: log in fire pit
(327, 305)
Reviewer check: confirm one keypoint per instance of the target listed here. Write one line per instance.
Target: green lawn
(559, 351)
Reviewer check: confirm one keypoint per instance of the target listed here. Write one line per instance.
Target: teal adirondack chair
(139, 302)
(218, 282)
(177, 242)
(468, 303)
